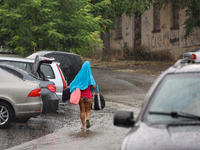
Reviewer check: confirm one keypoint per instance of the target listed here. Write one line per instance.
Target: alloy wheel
(4, 115)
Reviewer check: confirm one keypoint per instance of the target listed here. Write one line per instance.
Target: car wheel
(5, 115)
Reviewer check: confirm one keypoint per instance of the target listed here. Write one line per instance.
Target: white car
(69, 63)
(51, 71)
(193, 56)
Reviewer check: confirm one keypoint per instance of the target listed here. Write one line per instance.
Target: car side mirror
(124, 118)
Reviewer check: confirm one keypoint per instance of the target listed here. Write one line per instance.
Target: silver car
(70, 63)
(49, 98)
(19, 99)
(48, 71)
(170, 116)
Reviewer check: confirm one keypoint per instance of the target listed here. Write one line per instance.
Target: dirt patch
(153, 68)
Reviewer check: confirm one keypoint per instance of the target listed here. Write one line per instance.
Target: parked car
(193, 56)
(48, 89)
(43, 67)
(170, 116)
(19, 99)
(69, 63)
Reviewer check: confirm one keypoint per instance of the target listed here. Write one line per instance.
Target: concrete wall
(167, 39)
(127, 34)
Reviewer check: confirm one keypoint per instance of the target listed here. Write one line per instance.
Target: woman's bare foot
(87, 123)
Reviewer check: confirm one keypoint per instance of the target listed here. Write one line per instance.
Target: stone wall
(167, 37)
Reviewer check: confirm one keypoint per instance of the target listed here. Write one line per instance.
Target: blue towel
(83, 79)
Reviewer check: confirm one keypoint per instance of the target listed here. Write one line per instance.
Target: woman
(85, 82)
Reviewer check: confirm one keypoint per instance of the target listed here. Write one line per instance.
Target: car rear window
(47, 71)
(15, 73)
(23, 66)
(45, 68)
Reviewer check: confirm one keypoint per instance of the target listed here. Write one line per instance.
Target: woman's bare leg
(88, 104)
(82, 112)
(88, 108)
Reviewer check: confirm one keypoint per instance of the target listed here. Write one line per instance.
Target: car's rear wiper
(175, 114)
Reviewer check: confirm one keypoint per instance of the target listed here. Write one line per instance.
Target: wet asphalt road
(62, 130)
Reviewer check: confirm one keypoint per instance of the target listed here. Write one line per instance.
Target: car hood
(163, 137)
(39, 60)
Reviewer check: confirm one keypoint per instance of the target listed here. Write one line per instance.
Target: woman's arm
(94, 86)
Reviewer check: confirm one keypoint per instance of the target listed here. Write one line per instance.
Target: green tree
(64, 25)
(112, 10)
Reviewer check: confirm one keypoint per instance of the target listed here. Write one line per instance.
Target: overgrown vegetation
(139, 54)
(75, 25)
(63, 25)
(143, 54)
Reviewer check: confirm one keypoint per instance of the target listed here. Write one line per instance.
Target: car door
(36, 68)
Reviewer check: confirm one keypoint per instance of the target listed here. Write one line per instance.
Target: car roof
(17, 59)
(22, 59)
(183, 67)
(44, 52)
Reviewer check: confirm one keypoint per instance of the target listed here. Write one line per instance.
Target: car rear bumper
(50, 102)
(59, 94)
(50, 106)
(27, 110)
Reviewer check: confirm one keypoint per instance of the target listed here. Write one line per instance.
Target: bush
(142, 54)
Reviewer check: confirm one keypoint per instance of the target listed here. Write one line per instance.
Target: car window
(22, 65)
(15, 73)
(47, 71)
(176, 93)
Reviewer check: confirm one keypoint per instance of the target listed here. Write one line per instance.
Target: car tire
(5, 115)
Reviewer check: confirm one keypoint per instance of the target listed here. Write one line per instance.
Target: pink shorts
(86, 93)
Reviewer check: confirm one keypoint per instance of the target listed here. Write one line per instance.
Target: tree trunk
(106, 55)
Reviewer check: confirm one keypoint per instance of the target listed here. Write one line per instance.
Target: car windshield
(176, 98)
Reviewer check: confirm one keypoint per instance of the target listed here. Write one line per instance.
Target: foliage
(193, 14)
(113, 9)
(142, 53)
(63, 25)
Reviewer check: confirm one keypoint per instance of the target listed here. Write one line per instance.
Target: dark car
(170, 116)
(69, 63)
(48, 89)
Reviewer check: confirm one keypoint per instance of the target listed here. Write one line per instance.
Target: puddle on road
(84, 134)
(19, 133)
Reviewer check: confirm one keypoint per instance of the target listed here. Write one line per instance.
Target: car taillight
(46, 58)
(63, 80)
(40, 110)
(51, 88)
(35, 93)
(194, 56)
